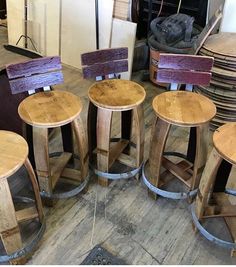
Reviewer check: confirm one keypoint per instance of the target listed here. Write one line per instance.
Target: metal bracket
(164, 193)
(209, 236)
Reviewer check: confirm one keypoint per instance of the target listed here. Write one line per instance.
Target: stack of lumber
(222, 88)
(121, 9)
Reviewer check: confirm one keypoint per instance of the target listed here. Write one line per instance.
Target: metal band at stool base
(68, 194)
(32, 245)
(117, 176)
(230, 191)
(209, 236)
(164, 193)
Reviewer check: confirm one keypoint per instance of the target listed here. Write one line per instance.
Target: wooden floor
(122, 217)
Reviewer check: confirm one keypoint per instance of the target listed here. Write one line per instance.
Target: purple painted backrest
(104, 62)
(184, 69)
(34, 74)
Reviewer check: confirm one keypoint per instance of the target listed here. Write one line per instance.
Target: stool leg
(9, 229)
(104, 120)
(202, 141)
(35, 186)
(207, 182)
(82, 142)
(41, 155)
(140, 132)
(92, 125)
(160, 132)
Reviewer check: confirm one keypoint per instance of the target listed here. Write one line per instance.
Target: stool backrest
(105, 64)
(35, 74)
(184, 69)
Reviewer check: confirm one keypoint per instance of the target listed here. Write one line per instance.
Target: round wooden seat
(50, 109)
(116, 94)
(224, 140)
(13, 153)
(184, 108)
(216, 195)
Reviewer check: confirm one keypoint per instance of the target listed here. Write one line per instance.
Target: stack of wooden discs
(222, 89)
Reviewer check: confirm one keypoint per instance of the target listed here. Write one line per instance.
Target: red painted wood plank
(105, 55)
(35, 82)
(185, 62)
(105, 69)
(34, 66)
(183, 77)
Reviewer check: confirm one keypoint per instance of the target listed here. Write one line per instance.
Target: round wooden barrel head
(184, 108)
(13, 153)
(224, 139)
(222, 43)
(116, 94)
(50, 109)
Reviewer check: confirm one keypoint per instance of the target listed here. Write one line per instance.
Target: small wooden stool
(184, 109)
(13, 155)
(52, 109)
(110, 96)
(210, 203)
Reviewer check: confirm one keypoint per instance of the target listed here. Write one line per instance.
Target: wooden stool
(13, 155)
(209, 202)
(184, 109)
(52, 109)
(110, 96)
(45, 111)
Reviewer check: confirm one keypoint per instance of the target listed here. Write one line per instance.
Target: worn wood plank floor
(122, 217)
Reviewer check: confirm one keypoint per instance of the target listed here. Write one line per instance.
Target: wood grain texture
(116, 94)
(13, 153)
(184, 108)
(50, 109)
(184, 77)
(127, 38)
(34, 82)
(104, 119)
(185, 62)
(102, 69)
(9, 229)
(105, 10)
(78, 35)
(123, 211)
(224, 140)
(207, 30)
(104, 55)
(33, 66)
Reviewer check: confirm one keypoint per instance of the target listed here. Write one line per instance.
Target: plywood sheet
(15, 14)
(123, 35)
(105, 9)
(228, 20)
(78, 30)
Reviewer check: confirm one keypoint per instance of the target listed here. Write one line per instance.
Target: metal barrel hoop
(165, 193)
(27, 249)
(230, 191)
(117, 176)
(209, 236)
(67, 194)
